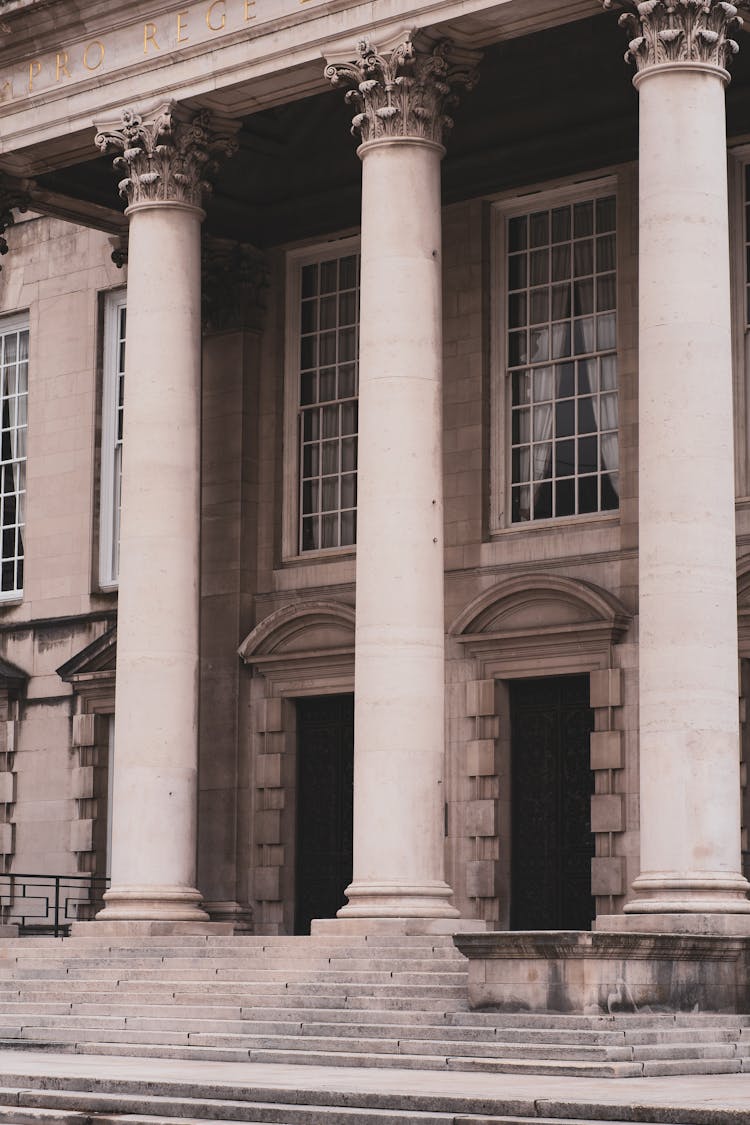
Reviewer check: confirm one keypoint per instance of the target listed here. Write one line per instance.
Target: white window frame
(505, 207)
(109, 477)
(295, 260)
(739, 239)
(17, 323)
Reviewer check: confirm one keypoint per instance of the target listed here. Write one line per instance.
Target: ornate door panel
(325, 764)
(552, 783)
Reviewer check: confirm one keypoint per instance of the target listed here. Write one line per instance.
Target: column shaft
(689, 759)
(155, 777)
(399, 647)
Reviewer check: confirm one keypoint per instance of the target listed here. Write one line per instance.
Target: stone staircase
(28, 1098)
(333, 1000)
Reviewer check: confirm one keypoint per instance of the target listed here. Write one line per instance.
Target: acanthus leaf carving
(669, 31)
(167, 155)
(406, 92)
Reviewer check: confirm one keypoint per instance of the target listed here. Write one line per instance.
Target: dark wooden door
(552, 783)
(325, 765)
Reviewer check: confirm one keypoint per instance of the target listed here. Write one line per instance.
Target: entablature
(64, 64)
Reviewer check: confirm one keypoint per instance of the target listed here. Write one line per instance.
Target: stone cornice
(166, 155)
(679, 31)
(405, 92)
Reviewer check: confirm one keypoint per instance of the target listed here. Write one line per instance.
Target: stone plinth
(594, 973)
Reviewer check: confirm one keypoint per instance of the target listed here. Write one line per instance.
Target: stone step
(321, 982)
(127, 991)
(173, 1100)
(208, 967)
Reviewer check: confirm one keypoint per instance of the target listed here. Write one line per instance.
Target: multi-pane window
(14, 369)
(328, 387)
(561, 356)
(111, 455)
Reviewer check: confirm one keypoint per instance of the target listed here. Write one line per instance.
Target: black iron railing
(47, 904)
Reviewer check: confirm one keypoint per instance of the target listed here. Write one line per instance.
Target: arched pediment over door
(541, 624)
(304, 639)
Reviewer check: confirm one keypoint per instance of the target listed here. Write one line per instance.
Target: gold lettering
(182, 26)
(209, 16)
(248, 5)
(149, 36)
(61, 65)
(87, 61)
(34, 69)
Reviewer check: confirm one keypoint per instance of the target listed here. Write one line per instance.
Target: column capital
(679, 31)
(405, 92)
(167, 154)
(236, 278)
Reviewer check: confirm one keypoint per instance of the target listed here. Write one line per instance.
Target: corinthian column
(401, 99)
(165, 160)
(689, 758)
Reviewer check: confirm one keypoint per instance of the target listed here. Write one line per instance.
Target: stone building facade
(541, 304)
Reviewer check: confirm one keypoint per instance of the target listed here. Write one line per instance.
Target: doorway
(325, 771)
(551, 840)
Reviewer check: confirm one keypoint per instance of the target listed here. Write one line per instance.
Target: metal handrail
(45, 904)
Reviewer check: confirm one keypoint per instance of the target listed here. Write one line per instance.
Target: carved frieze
(235, 283)
(668, 31)
(406, 92)
(167, 155)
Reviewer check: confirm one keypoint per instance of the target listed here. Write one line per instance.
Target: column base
(398, 900)
(239, 915)
(404, 927)
(694, 892)
(152, 904)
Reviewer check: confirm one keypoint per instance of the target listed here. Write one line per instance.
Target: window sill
(559, 523)
(325, 554)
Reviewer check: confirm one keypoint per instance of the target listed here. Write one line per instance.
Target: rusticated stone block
(7, 839)
(607, 813)
(480, 697)
(607, 876)
(606, 688)
(267, 884)
(84, 730)
(481, 818)
(268, 771)
(82, 835)
(480, 758)
(270, 716)
(7, 788)
(606, 750)
(268, 826)
(82, 782)
(480, 878)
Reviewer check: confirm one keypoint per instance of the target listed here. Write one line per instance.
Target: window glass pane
(517, 234)
(563, 412)
(329, 316)
(14, 348)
